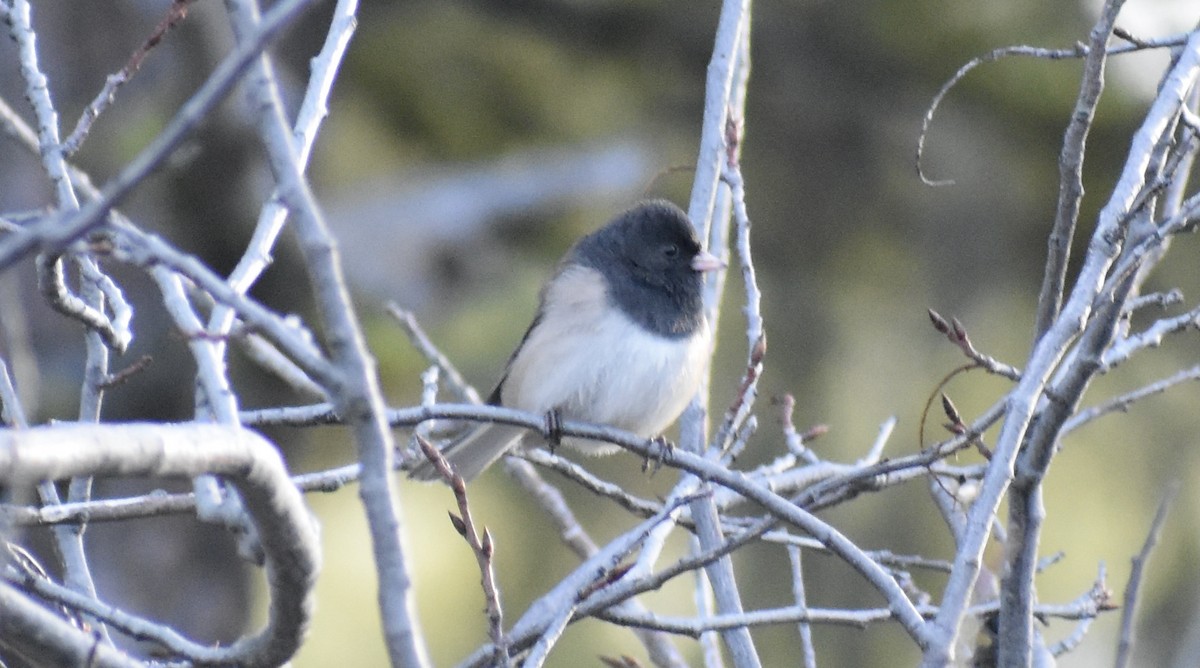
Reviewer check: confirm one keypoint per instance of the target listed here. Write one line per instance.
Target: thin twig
(213, 503)
(150, 251)
(1088, 606)
(1124, 401)
(175, 15)
(658, 645)
(1133, 587)
(804, 627)
(1160, 299)
(1078, 51)
(591, 580)
(58, 231)
(1151, 337)
(11, 411)
(481, 546)
(1070, 168)
(957, 334)
(257, 256)
(424, 345)
(756, 336)
(797, 442)
(51, 276)
(590, 482)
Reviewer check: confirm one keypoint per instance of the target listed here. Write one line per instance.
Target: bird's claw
(654, 463)
(552, 429)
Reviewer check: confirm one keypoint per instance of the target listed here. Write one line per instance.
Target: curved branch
(356, 385)
(1078, 51)
(288, 532)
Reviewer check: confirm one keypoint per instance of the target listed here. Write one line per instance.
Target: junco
(620, 338)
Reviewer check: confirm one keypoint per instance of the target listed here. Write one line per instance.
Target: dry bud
(489, 548)
(459, 525)
(951, 410)
(814, 432)
(939, 323)
(960, 335)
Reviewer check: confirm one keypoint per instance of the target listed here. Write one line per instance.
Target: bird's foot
(552, 429)
(654, 463)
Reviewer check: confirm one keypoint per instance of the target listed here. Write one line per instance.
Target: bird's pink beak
(705, 261)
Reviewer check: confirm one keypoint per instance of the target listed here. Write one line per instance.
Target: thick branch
(357, 392)
(288, 533)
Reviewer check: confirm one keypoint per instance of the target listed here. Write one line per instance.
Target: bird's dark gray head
(647, 255)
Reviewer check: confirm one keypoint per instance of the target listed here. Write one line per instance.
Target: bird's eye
(671, 250)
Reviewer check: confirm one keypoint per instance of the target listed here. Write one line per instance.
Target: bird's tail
(472, 453)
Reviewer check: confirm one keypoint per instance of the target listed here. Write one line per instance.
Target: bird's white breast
(590, 361)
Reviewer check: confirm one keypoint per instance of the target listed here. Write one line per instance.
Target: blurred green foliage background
(470, 142)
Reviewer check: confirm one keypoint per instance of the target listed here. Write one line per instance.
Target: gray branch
(355, 387)
(58, 231)
(287, 530)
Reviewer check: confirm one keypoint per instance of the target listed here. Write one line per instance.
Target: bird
(619, 338)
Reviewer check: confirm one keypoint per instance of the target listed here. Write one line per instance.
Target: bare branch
(52, 282)
(58, 231)
(1151, 337)
(1078, 51)
(1133, 587)
(1049, 350)
(11, 411)
(269, 358)
(357, 394)
(288, 534)
(795, 440)
(718, 91)
(1088, 607)
(149, 251)
(51, 277)
(175, 15)
(957, 334)
(804, 626)
(1070, 168)
(421, 341)
(219, 405)
(313, 110)
(756, 337)
(1122, 402)
(709, 208)
(549, 638)
(550, 499)
(481, 546)
(594, 578)
(28, 629)
(590, 482)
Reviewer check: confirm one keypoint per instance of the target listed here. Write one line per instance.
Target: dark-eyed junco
(620, 338)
